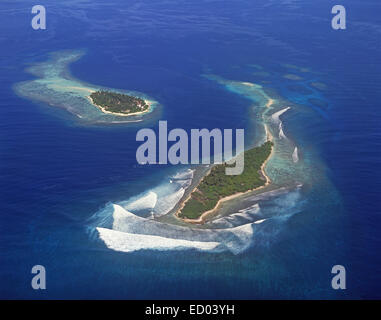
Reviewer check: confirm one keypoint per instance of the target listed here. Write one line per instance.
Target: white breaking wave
(161, 199)
(166, 204)
(247, 215)
(170, 194)
(252, 209)
(127, 242)
(295, 156)
(281, 133)
(129, 226)
(276, 115)
(161, 236)
(242, 215)
(188, 174)
(276, 118)
(147, 202)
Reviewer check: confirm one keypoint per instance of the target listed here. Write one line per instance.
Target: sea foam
(276, 119)
(127, 242)
(122, 229)
(295, 156)
(276, 115)
(147, 202)
(162, 236)
(281, 133)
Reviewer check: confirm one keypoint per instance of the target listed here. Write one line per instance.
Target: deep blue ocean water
(56, 173)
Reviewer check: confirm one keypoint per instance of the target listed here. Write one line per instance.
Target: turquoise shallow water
(61, 174)
(122, 226)
(57, 88)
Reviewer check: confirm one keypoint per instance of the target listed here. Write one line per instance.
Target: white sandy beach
(202, 218)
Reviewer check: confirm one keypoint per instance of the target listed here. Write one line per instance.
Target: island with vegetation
(118, 103)
(217, 187)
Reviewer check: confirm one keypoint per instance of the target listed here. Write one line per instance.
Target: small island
(217, 187)
(118, 103)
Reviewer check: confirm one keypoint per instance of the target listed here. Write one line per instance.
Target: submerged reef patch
(56, 87)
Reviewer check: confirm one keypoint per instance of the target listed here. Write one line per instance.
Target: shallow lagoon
(57, 88)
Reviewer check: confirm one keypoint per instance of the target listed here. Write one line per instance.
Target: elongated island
(217, 187)
(118, 103)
